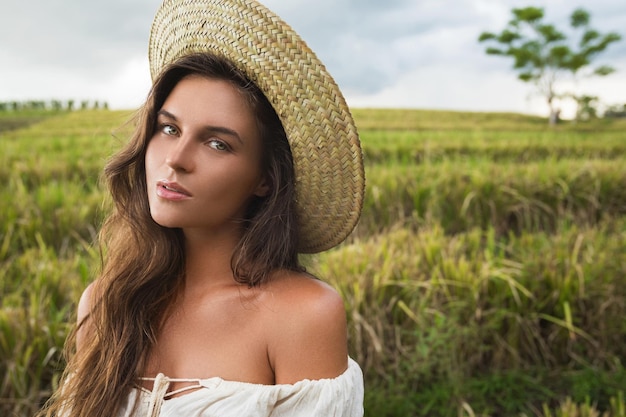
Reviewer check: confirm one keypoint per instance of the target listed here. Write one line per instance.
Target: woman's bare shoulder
(306, 322)
(85, 302)
(301, 298)
(284, 284)
(84, 308)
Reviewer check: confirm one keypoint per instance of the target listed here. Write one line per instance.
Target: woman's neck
(208, 261)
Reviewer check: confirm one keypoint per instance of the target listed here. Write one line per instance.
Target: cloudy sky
(383, 53)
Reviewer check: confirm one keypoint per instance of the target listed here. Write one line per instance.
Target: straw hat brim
(326, 151)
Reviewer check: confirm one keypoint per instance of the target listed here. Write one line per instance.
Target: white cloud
(130, 86)
(452, 88)
(396, 53)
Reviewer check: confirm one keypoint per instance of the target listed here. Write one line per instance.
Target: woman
(239, 162)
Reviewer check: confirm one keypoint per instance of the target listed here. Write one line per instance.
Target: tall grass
(487, 275)
(441, 120)
(561, 288)
(39, 290)
(410, 147)
(459, 194)
(429, 310)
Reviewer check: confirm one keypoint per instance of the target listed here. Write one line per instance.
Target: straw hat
(327, 156)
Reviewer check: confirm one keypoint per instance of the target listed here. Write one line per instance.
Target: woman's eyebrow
(166, 114)
(211, 129)
(225, 131)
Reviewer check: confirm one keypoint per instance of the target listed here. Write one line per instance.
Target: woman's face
(203, 164)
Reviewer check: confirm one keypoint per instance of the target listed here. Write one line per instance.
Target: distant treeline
(616, 111)
(52, 105)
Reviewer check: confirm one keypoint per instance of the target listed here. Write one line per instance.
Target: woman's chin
(167, 222)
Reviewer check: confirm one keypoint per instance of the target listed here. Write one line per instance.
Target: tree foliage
(543, 54)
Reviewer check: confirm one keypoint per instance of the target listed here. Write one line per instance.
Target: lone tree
(543, 55)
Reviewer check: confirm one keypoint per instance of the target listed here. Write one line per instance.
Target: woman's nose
(180, 155)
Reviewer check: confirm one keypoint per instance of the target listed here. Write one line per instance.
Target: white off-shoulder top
(214, 397)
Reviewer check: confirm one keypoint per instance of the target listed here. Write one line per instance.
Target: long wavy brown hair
(143, 262)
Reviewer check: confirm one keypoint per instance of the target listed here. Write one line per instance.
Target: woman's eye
(169, 130)
(218, 145)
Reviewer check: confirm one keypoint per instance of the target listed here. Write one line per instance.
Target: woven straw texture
(330, 179)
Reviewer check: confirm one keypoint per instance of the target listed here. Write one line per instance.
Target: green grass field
(487, 276)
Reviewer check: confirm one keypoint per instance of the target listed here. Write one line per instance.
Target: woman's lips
(171, 190)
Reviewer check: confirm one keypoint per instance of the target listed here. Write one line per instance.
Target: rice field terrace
(487, 276)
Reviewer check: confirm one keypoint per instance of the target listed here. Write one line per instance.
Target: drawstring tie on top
(159, 392)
